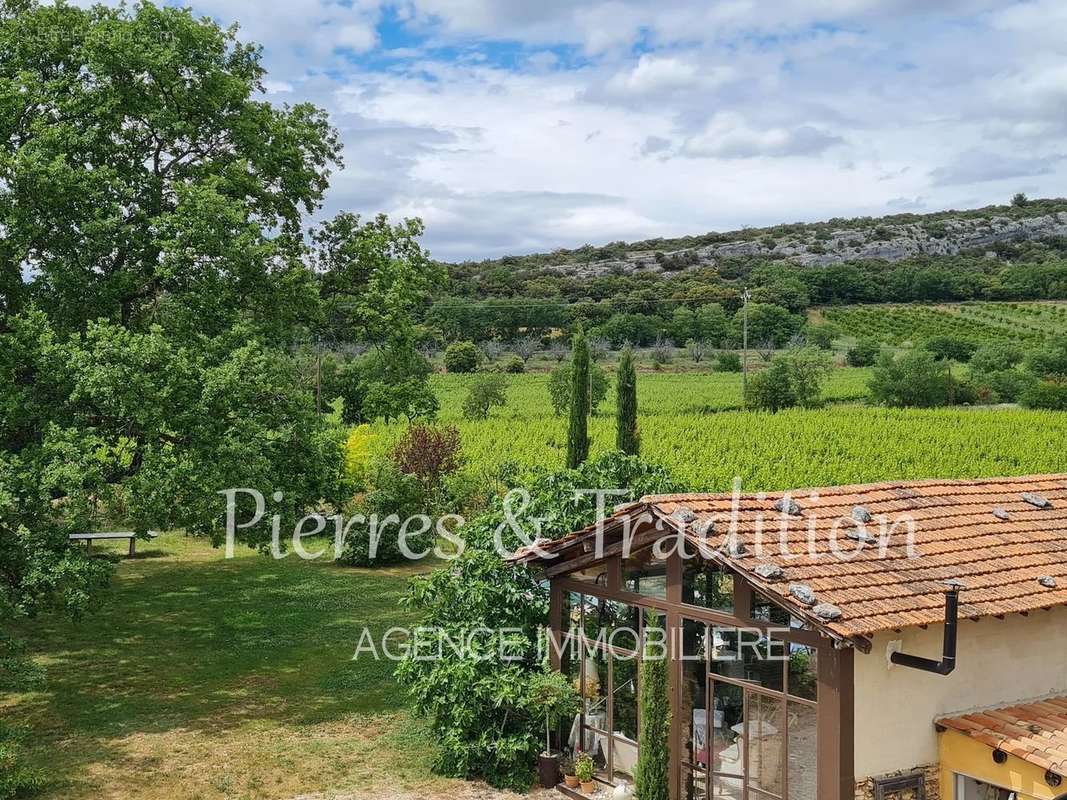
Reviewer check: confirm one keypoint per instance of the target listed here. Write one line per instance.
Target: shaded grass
(204, 677)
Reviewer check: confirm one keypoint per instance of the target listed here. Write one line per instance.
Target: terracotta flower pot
(588, 787)
(571, 781)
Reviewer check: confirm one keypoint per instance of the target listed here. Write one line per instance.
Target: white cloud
(514, 126)
(979, 166)
(730, 135)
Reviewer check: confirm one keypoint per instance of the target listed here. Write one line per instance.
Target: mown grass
(200, 677)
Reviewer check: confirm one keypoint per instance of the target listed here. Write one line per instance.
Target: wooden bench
(89, 538)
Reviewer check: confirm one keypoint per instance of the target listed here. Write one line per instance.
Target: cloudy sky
(513, 126)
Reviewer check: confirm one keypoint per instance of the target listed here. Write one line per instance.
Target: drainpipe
(948, 649)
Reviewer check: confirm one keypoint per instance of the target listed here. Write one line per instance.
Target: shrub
(662, 352)
(821, 336)
(950, 348)
(864, 353)
(515, 365)
(1048, 361)
(16, 779)
(995, 357)
(916, 378)
(792, 379)
(696, 350)
(485, 392)
(728, 362)
(1051, 395)
(1008, 384)
(377, 542)
(409, 399)
(358, 450)
(559, 387)
(429, 454)
(461, 357)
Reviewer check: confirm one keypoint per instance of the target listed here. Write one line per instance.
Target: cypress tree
(578, 431)
(651, 775)
(627, 438)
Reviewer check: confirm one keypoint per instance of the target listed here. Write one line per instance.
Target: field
(706, 448)
(206, 678)
(1028, 324)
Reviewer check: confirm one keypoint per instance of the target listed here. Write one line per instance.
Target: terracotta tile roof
(1035, 732)
(1014, 560)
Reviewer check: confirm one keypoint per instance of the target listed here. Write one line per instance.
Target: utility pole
(745, 297)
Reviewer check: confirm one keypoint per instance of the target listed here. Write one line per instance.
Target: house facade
(888, 641)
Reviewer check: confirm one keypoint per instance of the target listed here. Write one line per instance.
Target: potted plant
(566, 764)
(583, 770)
(553, 694)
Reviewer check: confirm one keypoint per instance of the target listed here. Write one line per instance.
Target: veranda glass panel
(613, 623)
(745, 655)
(803, 672)
(695, 728)
(727, 738)
(644, 574)
(707, 585)
(624, 696)
(803, 752)
(765, 731)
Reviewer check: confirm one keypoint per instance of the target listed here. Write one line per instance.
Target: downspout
(948, 648)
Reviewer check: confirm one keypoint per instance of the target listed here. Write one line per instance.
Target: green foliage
(627, 436)
(728, 362)
(951, 348)
(1048, 361)
(1006, 385)
(374, 277)
(16, 779)
(864, 353)
(1019, 200)
(581, 403)
(487, 714)
(792, 379)
(483, 710)
(1047, 394)
(139, 426)
(145, 180)
(769, 323)
(996, 357)
(584, 769)
(652, 774)
(485, 393)
(394, 383)
(395, 498)
(821, 336)
(629, 328)
(916, 378)
(557, 697)
(461, 357)
(515, 366)
(560, 384)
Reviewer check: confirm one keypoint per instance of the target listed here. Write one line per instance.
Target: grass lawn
(206, 678)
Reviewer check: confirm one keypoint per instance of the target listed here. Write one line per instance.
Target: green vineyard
(1019, 323)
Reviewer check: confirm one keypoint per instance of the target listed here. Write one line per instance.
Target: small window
(708, 585)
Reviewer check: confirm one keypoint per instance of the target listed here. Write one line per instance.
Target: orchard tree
(142, 181)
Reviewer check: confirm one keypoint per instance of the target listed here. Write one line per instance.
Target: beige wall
(998, 662)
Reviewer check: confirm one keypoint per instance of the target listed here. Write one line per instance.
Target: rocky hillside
(887, 239)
